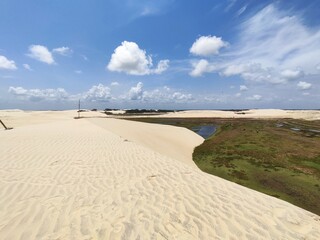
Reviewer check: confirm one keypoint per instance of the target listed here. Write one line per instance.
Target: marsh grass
(265, 155)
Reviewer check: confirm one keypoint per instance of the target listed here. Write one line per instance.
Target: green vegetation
(277, 157)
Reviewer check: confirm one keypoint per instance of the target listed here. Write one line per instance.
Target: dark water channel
(205, 131)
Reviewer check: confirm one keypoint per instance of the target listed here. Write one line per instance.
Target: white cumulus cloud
(41, 53)
(7, 64)
(166, 95)
(158, 95)
(207, 46)
(130, 59)
(64, 51)
(98, 93)
(304, 85)
(162, 66)
(136, 92)
(200, 67)
(39, 94)
(181, 96)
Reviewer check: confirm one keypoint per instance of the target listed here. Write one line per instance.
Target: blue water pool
(205, 131)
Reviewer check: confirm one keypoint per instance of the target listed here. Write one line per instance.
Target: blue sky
(183, 54)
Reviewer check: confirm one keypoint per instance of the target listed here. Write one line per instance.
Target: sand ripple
(74, 180)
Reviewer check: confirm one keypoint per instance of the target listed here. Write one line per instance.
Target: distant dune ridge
(104, 178)
(253, 113)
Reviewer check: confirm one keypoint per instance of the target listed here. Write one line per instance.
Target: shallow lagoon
(205, 131)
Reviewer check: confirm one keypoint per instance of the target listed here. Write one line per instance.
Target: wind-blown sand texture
(100, 178)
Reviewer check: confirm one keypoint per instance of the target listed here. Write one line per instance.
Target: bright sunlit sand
(105, 178)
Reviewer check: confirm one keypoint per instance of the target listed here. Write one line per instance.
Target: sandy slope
(174, 142)
(91, 179)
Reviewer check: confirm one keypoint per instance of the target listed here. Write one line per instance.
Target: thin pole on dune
(79, 109)
(5, 127)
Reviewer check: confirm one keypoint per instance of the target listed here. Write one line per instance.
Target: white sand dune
(62, 178)
(253, 113)
(174, 142)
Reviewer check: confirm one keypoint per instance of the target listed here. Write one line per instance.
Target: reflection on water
(205, 131)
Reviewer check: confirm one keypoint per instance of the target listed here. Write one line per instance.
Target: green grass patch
(265, 155)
